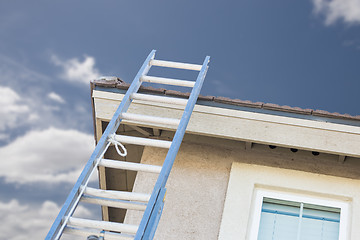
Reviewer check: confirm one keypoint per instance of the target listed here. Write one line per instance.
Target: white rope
(102, 235)
(117, 144)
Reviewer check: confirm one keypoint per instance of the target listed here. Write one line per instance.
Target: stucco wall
(198, 182)
(195, 192)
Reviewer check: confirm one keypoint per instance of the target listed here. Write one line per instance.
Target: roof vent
(315, 153)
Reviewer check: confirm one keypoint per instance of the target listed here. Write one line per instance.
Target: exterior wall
(199, 180)
(195, 192)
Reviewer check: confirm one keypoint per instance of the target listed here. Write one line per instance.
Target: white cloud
(12, 108)
(76, 71)
(334, 10)
(22, 222)
(33, 87)
(33, 117)
(48, 156)
(56, 97)
(221, 88)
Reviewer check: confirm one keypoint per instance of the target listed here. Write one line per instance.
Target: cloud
(22, 222)
(76, 71)
(334, 10)
(221, 88)
(14, 72)
(47, 156)
(13, 110)
(4, 136)
(33, 88)
(21, 98)
(56, 97)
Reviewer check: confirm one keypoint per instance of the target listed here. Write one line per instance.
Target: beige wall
(195, 193)
(199, 180)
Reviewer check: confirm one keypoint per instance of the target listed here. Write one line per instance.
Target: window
(284, 216)
(251, 185)
(294, 220)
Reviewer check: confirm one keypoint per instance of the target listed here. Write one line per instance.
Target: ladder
(152, 205)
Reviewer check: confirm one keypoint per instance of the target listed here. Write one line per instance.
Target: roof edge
(120, 84)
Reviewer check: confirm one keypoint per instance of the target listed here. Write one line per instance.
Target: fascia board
(240, 125)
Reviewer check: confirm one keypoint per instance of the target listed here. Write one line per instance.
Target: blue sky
(299, 53)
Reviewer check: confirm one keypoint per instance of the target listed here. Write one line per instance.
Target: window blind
(283, 220)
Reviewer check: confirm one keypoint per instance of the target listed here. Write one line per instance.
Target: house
(244, 170)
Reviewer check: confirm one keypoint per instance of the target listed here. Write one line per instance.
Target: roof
(120, 84)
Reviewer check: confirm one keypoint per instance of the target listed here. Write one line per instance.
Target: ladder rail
(146, 227)
(73, 198)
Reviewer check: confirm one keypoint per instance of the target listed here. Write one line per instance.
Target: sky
(298, 53)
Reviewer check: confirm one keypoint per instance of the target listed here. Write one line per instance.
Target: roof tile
(118, 83)
(122, 85)
(322, 113)
(206, 98)
(152, 90)
(177, 93)
(238, 102)
(106, 83)
(276, 107)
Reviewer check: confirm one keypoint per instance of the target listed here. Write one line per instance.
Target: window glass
(284, 220)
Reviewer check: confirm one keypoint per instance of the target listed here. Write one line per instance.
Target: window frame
(260, 194)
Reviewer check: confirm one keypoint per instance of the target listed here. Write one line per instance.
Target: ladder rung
(103, 225)
(159, 99)
(150, 119)
(143, 141)
(130, 196)
(87, 232)
(169, 81)
(130, 166)
(187, 66)
(114, 203)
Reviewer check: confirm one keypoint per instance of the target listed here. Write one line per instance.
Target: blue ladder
(152, 204)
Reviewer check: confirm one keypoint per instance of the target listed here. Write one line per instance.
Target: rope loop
(117, 144)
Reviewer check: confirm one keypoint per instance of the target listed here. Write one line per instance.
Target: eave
(340, 137)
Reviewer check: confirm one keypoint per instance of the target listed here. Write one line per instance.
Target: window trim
(295, 197)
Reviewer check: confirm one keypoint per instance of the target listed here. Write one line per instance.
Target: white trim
(262, 117)
(240, 208)
(245, 126)
(288, 196)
